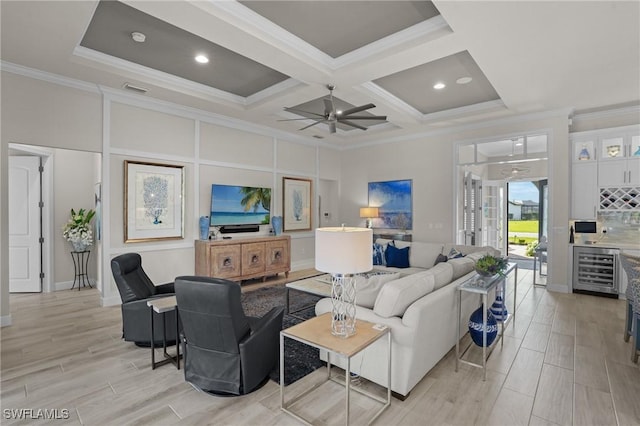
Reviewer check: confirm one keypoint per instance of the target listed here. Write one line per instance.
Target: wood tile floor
(564, 361)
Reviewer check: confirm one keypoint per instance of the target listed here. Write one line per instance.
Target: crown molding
(452, 113)
(608, 130)
(632, 109)
(557, 113)
(48, 77)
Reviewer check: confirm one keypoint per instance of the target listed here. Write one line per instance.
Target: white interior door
(24, 224)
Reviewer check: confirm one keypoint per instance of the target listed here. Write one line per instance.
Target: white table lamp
(343, 252)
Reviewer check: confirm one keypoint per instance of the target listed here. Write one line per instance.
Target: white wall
(73, 188)
(73, 115)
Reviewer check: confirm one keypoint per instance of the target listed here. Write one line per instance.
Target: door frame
(47, 211)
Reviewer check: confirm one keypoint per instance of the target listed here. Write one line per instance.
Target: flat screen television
(239, 205)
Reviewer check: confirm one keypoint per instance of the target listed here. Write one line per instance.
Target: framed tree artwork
(296, 203)
(153, 201)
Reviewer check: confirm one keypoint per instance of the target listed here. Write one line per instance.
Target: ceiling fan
(514, 172)
(331, 116)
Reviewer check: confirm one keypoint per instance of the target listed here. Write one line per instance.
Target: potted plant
(78, 231)
(489, 265)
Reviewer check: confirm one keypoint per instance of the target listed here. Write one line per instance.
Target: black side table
(80, 263)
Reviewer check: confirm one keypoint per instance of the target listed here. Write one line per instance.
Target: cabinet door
(225, 261)
(633, 171)
(253, 259)
(278, 258)
(612, 173)
(584, 187)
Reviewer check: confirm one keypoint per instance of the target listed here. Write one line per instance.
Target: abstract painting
(393, 198)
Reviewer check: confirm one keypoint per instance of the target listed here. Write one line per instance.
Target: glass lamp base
(343, 299)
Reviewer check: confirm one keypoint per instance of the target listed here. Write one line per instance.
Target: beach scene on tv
(239, 205)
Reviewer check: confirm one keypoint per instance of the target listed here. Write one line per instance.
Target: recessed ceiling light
(338, 112)
(202, 59)
(138, 37)
(439, 86)
(464, 80)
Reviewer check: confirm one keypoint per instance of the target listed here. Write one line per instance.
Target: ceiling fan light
(464, 80)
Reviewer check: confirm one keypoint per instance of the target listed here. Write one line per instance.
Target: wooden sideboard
(243, 258)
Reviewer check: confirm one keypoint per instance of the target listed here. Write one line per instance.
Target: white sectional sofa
(419, 304)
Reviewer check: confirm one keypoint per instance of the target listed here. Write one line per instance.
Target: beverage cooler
(596, 270)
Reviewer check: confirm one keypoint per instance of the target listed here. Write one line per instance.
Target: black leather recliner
(225, 352)
(136, 289)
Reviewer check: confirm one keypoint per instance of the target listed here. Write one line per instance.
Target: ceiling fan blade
(305, 112)
(313, 124)
(349, 123)
(328, 106)
(365, 117)
(357, 109)
(332, 127)
(303, 118)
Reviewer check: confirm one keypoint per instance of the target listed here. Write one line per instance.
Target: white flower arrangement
(77, 230)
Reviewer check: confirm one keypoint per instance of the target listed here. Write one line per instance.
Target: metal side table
(80, 266)
(483, 286)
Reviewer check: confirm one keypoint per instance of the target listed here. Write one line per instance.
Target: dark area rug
(300, 359)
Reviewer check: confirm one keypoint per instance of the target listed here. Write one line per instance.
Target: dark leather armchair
(225, 352)
(136, 289)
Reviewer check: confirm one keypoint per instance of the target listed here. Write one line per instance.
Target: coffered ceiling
(495, 59)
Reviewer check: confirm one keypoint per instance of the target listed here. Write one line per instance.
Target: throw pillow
(378, 254)
(367, 288)
(397, 257)
(441, 258)
(454, 254)
(396, 296)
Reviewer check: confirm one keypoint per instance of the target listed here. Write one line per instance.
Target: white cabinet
(584, 185)
(619, 160)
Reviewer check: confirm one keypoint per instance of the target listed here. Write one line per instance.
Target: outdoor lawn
(528, 226)
(523, 232)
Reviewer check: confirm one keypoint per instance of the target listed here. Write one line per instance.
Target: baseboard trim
(5, 320)
(67, 285)
(110, 301)
(303, 264)
(558, 288)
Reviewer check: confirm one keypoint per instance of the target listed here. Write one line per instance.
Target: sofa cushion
(461, 266)
(367, 288)
(442, 274)
(423, 255)
(476, 255)
(397, 257)
(396, 296)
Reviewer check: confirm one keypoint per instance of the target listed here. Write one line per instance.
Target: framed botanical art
(153, 201)
(394, 202)
(296, 204)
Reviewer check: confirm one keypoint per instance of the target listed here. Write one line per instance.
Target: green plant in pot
(489, 265)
